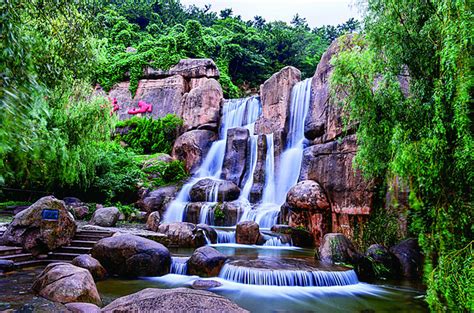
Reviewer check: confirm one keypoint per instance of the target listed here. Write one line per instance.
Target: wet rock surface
(173, 300)
(205, 284)
(81, 307)
(132, 256)
(206, 262)
(36, 231)
(336, 248)
(155, 200)
(409, 255)
(207, 188)
(63, 282)
(233, 168)
(248, 232)
(192, 146)
(299, 237)
(97, 271)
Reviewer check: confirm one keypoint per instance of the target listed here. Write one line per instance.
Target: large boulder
(235, 156)
(132, 256)
(201, 106)
(44, 226)
(206, 262)
(248, 233)
(336, 248)
(206, 189)
(211, 233)
(173, 300)
(63, 282)
(90, 264)
(307, 205)
(233, 210)
(183, 235)
(307, 195)
(259, 173)
(105, 217)
(157, 199)
(384, 262)
(275, 94)
(191, 147)
(410, 257)
(195, 68)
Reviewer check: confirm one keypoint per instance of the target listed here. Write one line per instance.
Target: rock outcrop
(196, 68)
(105, 217)
(330, 164)
(201, 106)
(206, 189)
(63, 282)
(183, 235)
(44, 226)
(248, 233)
(206, 262)
(153, 221)
(233, 168)
(132, 256)
(191, 147)
(97, 271)
(275, 94)
(173, 300)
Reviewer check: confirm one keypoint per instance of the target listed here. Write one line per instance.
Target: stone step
(62, 256)
(7, 250)
(95, 233)
(83, 243)
(74, 249)
(87, 238)
(32, 263)
(20, 257)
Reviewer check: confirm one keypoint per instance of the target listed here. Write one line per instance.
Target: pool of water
(360, 297)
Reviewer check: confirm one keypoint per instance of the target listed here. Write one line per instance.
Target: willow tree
(422, 134)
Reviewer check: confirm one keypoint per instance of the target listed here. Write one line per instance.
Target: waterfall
(179, 265)
(235, 113)
(248, 179)
(225, 236)
(260, 276)
(276, 242)
(206, 215)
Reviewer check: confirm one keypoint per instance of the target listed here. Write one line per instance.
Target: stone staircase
(82, 243)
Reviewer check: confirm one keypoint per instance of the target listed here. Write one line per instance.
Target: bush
(147, 135)
(168, 172)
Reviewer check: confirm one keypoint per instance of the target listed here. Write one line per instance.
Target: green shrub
(168, 172)
(147, 135)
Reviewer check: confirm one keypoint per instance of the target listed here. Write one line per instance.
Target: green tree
(408, 85)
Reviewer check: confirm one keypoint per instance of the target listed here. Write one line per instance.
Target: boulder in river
(409, 254)
(248, 233)
(82, 307)
(299, 237)
(132, 256)
(336, 248)
(90, 264)
(183, 235)
(44, 226)
(173, 300)
(63, 282)
(205, 189)
(383, 261)
(206, 262)
(105, 217)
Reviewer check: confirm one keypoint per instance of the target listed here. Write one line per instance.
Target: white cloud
(316, 12)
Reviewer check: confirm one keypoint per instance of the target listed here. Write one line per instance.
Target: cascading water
(225, 236)
(179, 265)
(260, 276)
(235, 113)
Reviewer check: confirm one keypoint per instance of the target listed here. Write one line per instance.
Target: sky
(316, 12)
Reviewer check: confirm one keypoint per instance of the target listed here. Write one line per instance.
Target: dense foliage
(408, 84)
(163, 31)
(148, 135)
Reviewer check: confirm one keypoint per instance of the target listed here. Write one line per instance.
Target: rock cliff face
(328, 161)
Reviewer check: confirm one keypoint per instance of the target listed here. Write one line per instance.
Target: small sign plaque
(50, 215)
